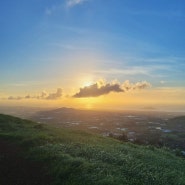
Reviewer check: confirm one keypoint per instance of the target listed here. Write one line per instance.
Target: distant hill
(178, 120)
(61, 110)
(56, 112)
(69, 157)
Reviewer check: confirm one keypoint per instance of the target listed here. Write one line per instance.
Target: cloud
(94, 90)
(53, 96)
(15, 98)
(43, 95)
(27, 97)
(101, 88)
(52, 9)
(127, 86)
(71, 3)
(60, 7)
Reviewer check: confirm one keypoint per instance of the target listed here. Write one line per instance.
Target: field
(68, 156)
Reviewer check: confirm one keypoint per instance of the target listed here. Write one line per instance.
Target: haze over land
(92, 54)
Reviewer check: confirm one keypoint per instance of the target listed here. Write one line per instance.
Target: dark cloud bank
(94, 90)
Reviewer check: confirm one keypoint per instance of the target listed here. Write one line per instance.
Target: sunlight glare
(87, 84)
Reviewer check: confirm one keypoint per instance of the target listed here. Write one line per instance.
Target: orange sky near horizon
(172, 98)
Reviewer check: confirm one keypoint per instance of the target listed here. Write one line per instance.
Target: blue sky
(46, 44)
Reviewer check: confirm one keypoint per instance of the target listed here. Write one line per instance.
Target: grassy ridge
(77, 158)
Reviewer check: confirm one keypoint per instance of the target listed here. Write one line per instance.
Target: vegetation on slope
(71, 157)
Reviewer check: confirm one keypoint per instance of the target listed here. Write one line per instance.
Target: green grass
(79, 158)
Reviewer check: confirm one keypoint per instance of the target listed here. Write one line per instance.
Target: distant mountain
(59, 110)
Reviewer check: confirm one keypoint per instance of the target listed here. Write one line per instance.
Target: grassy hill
(33, 153)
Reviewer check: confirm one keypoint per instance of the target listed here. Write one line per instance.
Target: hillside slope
(71, 157)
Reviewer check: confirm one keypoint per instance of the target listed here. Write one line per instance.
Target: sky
(94, 54)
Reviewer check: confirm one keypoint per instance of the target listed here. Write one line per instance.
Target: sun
(87, 84)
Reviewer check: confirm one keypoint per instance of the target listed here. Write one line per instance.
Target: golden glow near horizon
(106, 97)
(138, 99)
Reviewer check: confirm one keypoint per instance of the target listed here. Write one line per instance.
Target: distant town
(161, 129)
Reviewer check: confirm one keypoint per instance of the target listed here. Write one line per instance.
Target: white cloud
(60, 7)
(53, 96)
(71, 3)
(54, 8)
